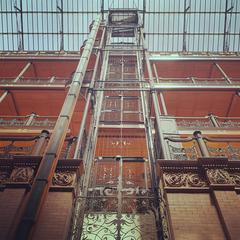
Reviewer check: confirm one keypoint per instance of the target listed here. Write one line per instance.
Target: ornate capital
(22, 174)
(63, 178)
(218, 176)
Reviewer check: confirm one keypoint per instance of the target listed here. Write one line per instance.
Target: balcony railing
(34, 146)
(35, 81)
(207, 122)
(200, 81)
(30, 146)
(191, 148)
(30, 121)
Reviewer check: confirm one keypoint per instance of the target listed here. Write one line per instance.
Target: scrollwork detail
(63, 178)
(22, 174)
(175, 179)
(4, 177)
(235, 178)
(194, 180)
(183, 180)
(219, 176)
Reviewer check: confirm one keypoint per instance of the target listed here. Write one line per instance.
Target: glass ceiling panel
(170, 25)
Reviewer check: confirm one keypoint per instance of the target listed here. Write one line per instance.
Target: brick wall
(228, 204)
(55, 217)
(194, 217)
(10, 201)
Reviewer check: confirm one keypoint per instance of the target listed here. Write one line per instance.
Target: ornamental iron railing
(30, 121)
(189, 148)
(208, 122)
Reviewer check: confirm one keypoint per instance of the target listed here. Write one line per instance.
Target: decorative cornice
(213, 173)
(20, 171)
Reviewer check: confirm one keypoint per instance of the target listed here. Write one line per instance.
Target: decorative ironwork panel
(225, 150)
(114, 226)
(183, 153)
(180, 179)
(229, 123)
(8, 150)
(194, 123)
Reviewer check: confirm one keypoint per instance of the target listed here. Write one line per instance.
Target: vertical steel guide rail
(159, 219)
(88, 158)
(88, 100)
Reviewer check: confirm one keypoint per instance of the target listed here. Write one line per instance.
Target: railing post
(213, 120)
(52, 79)
(30, 119)
(201, 144)
(40, 143)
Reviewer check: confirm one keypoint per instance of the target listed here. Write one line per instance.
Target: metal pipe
(50, 158)
(88, 101)
(201, 144)
(3, 96)
(223, 73)
(40, 143)
(22, 72)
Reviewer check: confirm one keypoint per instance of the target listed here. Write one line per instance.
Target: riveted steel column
(201, 144)
(49, 161)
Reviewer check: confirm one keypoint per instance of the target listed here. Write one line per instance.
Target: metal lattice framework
(170, 25)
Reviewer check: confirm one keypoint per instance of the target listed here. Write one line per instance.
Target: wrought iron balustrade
(35, 81)
(207, 122)
(12, 146)
(199, 81)
(194, 122)
(228, 122)
(182, 148)
(29, 121)
(220, 147)
(188, 148)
